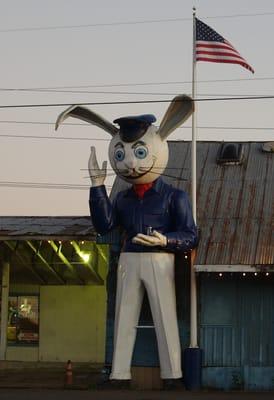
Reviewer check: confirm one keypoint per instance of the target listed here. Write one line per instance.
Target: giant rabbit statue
(157, 222)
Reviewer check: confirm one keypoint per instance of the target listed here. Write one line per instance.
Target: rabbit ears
(88, 116)
(179, 110)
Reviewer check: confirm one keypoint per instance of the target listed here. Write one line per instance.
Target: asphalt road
(32, 394)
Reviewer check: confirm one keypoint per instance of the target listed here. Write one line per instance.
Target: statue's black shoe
(173, 384)
(114, 384)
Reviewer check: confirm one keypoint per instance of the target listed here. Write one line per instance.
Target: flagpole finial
(194, 9)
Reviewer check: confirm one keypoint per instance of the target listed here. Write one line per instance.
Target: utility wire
(51, 186)
(132, 102)
(54, 138)
(108, 140)
(133, 84)
(86, 125)
(46, 185)
(124, 93)
(103, 24)
(106, 24)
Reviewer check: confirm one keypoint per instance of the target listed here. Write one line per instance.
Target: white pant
(155, 273)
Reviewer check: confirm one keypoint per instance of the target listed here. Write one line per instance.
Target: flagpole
(192, 358)
(193, 284)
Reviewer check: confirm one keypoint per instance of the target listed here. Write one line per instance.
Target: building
(48, 264)
(234, 265)
(53, 295)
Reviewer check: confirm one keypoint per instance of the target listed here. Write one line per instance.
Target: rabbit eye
(141, 152)
(119, 155)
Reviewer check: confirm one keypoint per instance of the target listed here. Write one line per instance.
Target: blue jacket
(163, 208)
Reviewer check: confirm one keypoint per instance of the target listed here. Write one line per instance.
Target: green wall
(72, 323)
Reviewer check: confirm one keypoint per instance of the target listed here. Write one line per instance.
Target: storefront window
(23, 319)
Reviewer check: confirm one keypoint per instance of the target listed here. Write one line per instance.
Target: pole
(193, 285)
(192, 359)
(4, 309)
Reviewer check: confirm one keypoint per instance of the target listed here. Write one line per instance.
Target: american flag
(212, 47)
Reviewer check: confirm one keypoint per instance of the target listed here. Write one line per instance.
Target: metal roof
(235, 202)
(46, 227)
(52, 250)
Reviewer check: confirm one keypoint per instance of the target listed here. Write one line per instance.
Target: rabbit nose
(131, 164)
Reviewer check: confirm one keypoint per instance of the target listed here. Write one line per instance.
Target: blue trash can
(192, 368)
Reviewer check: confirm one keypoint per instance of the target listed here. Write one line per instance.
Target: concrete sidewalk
(30, 381)
(26, 375)
(31, 394)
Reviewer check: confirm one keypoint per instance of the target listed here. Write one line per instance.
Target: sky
(99, 51)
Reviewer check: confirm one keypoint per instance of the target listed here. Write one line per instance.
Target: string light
(244, 274)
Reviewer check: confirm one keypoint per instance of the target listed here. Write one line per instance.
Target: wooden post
(4, 309)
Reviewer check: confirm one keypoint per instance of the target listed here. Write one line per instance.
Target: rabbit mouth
(136, 175)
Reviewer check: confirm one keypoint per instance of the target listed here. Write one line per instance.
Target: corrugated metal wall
(237, 321)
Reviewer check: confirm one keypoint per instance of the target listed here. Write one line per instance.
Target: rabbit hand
(96, 174)
(155, 239)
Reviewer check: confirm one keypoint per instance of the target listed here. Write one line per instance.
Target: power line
(46, 185)
(106, 24)
(56, 88)
(267, 97)
(53, 137)
(84, 91)
(103, 24)
(87, 125)
(69, 186)
(119, 93)
(263, 14)
(108, 140)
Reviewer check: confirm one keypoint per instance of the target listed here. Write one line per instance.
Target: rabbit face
(141, 161)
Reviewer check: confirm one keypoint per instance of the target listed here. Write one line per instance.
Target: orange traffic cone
(69, 378)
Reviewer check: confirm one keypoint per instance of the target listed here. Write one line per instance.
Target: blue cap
(134, 127)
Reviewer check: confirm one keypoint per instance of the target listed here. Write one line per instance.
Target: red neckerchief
(141, 189)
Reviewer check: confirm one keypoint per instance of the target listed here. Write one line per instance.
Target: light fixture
(255, 273)
(220, 274)
(244, 274)
(267, 274)
(85, 256)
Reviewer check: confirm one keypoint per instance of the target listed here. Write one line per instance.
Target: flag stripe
(212, 47)
(220, 54)
(227, 62)
(221, 58)
(204, 43)
(216, 46)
